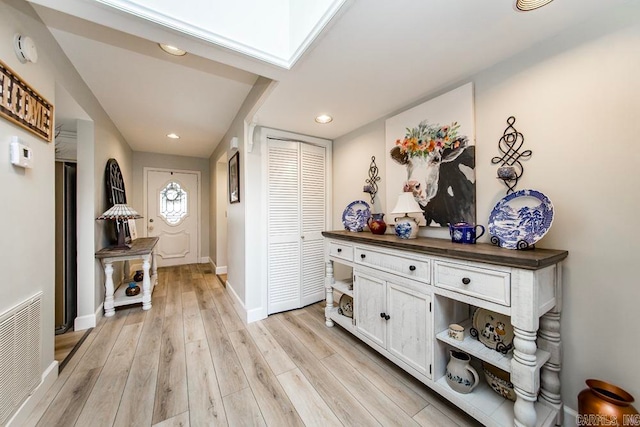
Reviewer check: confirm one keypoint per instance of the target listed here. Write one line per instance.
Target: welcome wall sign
(22, 105)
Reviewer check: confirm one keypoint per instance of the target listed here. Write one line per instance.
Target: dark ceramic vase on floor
(606, 400)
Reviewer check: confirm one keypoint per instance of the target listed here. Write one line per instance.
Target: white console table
(142, 248)
(406, 293)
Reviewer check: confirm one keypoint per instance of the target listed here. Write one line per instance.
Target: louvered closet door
(313, 203)
(296, 218)
(283, 226)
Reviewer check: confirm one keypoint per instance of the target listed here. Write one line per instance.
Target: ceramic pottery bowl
(499, 381)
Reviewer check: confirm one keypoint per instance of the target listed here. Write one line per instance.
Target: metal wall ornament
(511, 168)
(371, 186)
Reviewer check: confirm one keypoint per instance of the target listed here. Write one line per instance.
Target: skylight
(275, 31)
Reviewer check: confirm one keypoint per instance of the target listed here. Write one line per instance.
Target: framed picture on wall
(234, 178)
(132, 229)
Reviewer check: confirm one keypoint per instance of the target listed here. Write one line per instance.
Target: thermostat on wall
(21, 155)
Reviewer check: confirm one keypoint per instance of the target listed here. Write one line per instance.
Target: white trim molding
(89, 321)
(49, 376)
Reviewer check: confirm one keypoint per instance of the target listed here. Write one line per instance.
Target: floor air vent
(19, 355)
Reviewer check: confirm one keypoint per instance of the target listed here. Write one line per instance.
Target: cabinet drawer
(412, 267)
(489, 285)
(341, 250)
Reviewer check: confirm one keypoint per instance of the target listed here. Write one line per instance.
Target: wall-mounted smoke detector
(25, 49)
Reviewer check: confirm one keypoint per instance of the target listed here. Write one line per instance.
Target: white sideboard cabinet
(407, 292)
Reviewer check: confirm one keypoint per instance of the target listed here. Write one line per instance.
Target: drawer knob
(363, 256)
(466, 280)
(339, 250)
(385, 316)
(412, 267)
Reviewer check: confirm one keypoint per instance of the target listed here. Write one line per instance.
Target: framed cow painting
(431, 153)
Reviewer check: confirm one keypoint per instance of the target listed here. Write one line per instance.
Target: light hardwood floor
(191, 361)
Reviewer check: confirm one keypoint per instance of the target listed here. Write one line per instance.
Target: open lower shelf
(344, 286)
(476, 349)
(489, 407)
(120, 298)
(344, 321)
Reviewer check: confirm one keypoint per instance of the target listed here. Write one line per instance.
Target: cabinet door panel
(370, 302)
(409, 336)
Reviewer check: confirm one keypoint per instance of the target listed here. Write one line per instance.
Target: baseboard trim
(49, 376)
(255, 315)
(216, 269)
(90, 321)
(570, 417)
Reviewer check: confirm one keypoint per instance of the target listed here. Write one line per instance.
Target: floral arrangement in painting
(423, 150)
(426, 139)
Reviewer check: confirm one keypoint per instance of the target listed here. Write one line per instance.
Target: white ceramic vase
(460, 375)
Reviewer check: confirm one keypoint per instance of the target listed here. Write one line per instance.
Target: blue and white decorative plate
(521, 219)
(356, 215)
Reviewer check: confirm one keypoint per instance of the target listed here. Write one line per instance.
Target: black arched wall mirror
(116, 194)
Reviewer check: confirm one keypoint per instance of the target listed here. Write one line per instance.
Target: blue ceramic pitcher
(463, 232)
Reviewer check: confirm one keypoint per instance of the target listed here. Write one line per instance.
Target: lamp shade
(406, 204)
(120, 211)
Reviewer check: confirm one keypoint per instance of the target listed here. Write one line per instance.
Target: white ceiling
(374, 58)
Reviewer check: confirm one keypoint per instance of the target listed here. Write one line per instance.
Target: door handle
(150, 219)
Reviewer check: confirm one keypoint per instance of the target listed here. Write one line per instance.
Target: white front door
(172, 215)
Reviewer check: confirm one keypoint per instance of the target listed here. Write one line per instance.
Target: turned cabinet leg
(154, 266)
(549, 340)
(109, 309)
(146, 283)
(524, 377)
(328, 287)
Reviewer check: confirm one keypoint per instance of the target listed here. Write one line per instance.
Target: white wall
(27, 246)
(242, 253)
(220, 256)
(163, 161)
(576, 99)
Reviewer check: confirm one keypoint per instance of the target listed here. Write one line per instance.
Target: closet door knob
(383, 314)
(387, 317)
(339, 250)
(412, 267)
(363, 256)
(466, 280)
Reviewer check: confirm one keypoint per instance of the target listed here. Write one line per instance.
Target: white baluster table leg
(109, 308)
(146, 283)
(524, 377)
(549, 340)
(328, 287)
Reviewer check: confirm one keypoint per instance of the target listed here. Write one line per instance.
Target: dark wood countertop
(530, 259)
(141, 246)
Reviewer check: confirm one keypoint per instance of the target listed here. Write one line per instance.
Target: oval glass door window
(173, 203)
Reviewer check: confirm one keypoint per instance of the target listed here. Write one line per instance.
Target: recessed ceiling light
(527, 5)
(172, 49)
(173, 136)
(324, 119)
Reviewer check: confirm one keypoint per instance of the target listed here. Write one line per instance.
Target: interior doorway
(66, 243)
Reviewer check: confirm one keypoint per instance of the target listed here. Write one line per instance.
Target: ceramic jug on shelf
(463, 232)
(376, 223)
(460, 375)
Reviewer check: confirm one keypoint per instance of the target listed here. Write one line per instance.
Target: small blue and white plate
(356, 215)
(522, 216)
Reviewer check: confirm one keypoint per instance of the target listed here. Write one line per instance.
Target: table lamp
(406, 226)
(120, 213)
